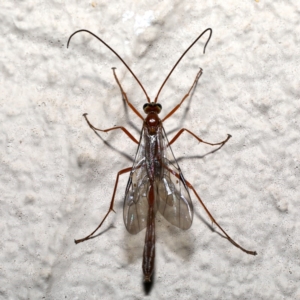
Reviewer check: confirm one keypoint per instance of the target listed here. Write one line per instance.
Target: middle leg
(199, 139)
(109, 129)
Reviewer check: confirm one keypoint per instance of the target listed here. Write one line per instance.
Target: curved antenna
(121, 59)
(184, 53)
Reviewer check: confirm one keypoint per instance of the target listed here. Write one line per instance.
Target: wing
(173, 198)
(135, 210)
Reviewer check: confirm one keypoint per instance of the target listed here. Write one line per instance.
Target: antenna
(184, 53)
(121, 59)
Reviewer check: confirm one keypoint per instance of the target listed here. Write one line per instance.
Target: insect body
(156, 182)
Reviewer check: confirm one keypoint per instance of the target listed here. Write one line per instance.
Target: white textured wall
(57, 176)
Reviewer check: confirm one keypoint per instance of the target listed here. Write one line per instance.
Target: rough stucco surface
(57, 176)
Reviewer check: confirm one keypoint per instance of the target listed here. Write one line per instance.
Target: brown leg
(178, 105)
(125, 96)
(214, 221)
(111, 207)
(200, 140)
(109, 129)
(180, 176)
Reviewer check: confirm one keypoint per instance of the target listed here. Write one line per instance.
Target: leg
(113, 128)
(111, 207)
(214, 221)
(181, 178)
(178, 105)
(200, 140)
(125, 96)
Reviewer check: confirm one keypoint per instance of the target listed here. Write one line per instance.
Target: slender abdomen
(149, 248)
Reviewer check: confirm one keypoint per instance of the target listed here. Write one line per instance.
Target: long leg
(214, 221)
(180, 176)
(109, 129)
(125, 96)
(195, 136)
(178, 105)
(111, 207)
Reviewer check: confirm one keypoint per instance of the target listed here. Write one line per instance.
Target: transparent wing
(173, 198)
(135, 210)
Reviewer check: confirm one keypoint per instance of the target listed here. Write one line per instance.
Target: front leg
(125, 95)
(185, 96)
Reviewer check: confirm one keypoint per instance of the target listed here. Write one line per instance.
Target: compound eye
(145, 106)
(159, 107)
